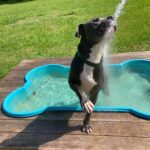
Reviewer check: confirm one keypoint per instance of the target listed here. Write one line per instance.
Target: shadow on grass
(13, 1)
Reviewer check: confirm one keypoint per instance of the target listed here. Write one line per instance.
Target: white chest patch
(86, 77)
(97, 51)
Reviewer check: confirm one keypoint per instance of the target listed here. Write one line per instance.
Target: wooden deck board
(61, 130)
(78, 142)
(72, 127)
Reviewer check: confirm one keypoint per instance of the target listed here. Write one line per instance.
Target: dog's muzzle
(112, 22)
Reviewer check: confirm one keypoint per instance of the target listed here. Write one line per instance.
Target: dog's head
(96, 29)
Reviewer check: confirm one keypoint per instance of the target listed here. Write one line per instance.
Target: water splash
(119, 9)
(116, 16)
(107, 47)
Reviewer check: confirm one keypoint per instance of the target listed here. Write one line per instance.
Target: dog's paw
(87, 129)
(88, 106)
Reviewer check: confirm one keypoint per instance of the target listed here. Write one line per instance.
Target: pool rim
(5, 105)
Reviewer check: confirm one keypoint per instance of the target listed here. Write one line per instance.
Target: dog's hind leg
(75, 89)
(86, 123)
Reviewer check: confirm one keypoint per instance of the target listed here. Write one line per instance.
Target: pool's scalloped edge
(6, 108)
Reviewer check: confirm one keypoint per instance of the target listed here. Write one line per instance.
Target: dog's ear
(79, 31)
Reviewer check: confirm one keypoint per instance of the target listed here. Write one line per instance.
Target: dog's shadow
(45, 128)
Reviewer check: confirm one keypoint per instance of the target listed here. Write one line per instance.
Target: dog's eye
(95, 24)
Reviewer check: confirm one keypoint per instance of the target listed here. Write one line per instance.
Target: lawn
(134, 27)
(45, 28)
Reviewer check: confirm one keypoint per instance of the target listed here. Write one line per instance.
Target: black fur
(91, 33)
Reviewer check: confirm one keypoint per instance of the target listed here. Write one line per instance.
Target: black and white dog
(86, 76)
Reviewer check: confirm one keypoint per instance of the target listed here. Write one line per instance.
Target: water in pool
(127, 88)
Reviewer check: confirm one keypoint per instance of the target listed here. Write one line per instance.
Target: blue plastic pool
(47, 89)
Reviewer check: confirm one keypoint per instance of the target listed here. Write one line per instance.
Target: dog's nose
(110, 17)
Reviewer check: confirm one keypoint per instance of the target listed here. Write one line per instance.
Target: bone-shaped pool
(46, 89)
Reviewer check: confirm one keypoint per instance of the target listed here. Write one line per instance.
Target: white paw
(88, 106)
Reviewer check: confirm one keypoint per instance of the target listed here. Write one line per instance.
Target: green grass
(134, 27)
(46, 28)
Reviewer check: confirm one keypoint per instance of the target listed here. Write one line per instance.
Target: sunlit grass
(46, 28)
(134, 27)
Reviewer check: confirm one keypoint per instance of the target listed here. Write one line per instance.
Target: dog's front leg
(86, 124)
(87, 127)
(88, 106)
(86, 102)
